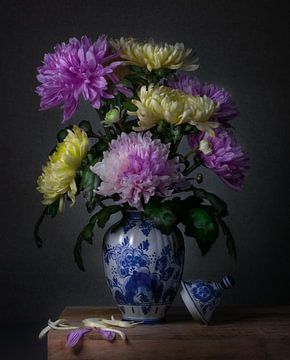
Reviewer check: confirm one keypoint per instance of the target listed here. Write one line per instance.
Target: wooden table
(235, 333)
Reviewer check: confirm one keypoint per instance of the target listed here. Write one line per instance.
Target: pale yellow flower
(163, 103)
(153, 56)
(58, 175)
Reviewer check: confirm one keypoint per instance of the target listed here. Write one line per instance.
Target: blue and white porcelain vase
(143, 267)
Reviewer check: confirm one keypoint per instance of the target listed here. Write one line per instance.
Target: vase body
(143, 267)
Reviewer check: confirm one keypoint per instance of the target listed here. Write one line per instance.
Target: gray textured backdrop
(242, 46)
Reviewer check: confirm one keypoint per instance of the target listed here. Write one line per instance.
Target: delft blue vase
(143, 267)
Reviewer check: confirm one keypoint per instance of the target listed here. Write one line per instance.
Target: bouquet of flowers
(129, 158)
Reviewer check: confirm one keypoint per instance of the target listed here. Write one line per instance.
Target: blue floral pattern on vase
(143, 267)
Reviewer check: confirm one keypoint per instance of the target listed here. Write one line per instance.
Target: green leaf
(78, 253)
(93, 200)
(129, 106)
(61, 135)
(127, 83)
(137, 69)
(176, 133)
(104, 214)
(189, 129)
(202, 225)
(52, 209)
(99, 148)
(88, 180)
(86, 126)
(161, 73)
(87, 233)
(185, 206)
(230, 242)
(142, 81)
(218, 204)
(162, 213)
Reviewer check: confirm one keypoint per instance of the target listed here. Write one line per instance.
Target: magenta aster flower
(222, 155)
(226, 111)
(78, 68)
(137, 167)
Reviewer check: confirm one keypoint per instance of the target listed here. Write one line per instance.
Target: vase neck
(133, 215)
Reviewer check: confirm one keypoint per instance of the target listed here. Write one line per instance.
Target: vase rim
(132, 214)
(125, 211)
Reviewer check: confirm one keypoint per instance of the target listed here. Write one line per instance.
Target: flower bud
(112, 117)
(205, 147)
(199, 178)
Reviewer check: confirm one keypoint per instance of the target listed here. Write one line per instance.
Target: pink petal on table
(75, 336)
(107, 335)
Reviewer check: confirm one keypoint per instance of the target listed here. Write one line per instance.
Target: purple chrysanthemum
(226, 111)
(222, 155)
(78, 68)
(137, 167)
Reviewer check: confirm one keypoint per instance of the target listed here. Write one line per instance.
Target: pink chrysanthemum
(78, 68)
(136, 168)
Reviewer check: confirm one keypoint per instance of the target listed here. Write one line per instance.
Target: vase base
(146, 321)
(148, 314)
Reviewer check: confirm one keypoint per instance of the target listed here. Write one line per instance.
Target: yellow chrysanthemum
(163, 103)
(58, 175)
(152, 55)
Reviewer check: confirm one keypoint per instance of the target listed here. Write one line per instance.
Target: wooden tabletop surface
(235, 333)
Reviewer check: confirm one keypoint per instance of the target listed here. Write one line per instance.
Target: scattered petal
(119, 323)
(107, 334)
(120, 333)
(93, 322)
(43, 332)
(76, 335)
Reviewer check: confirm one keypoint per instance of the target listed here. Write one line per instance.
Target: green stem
(121, 126)
(37, 238)
(175, 146)
(95, 136)
(182, 190)
(192, 151)
(108, 133)
(192, 167)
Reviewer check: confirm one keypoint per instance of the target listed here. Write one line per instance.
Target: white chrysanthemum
(162, 103)
(154, 56)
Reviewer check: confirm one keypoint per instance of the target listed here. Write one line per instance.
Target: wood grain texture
(245, 333)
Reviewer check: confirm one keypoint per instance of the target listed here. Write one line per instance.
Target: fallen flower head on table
(105, 327)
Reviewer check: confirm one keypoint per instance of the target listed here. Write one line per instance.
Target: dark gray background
(242, 46)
